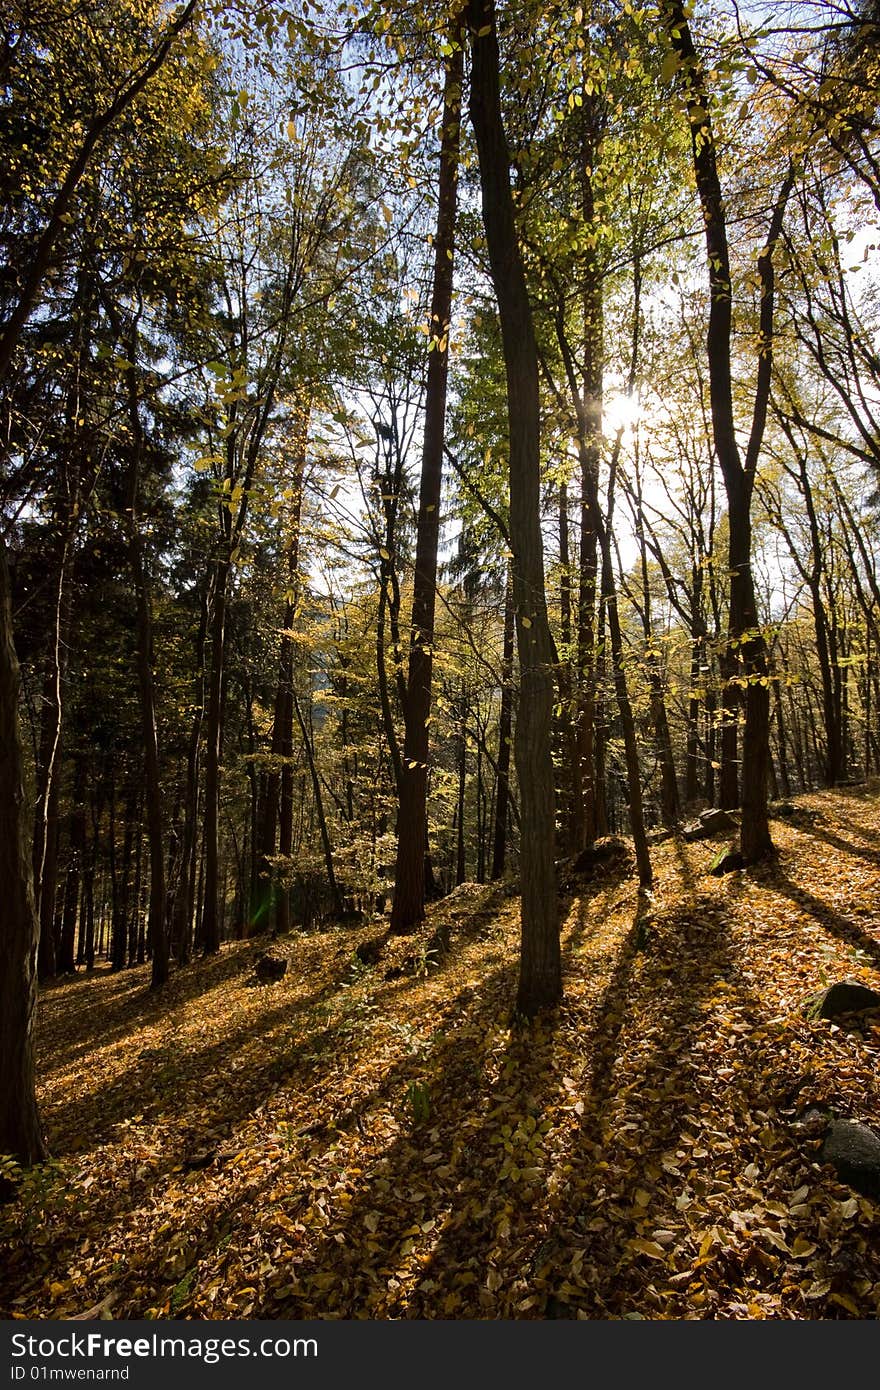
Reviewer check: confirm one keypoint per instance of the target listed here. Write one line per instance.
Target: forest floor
(378, 1141)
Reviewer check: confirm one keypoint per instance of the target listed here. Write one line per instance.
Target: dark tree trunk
(572, 788)
(309, 746)
(540, 981)
(152, 783)
(48, 772)
(746, 638)
(505, 728)
(669, 799)
(781, 740)
(184, 907)
(285, 810)
(460, 859)
(210, 921)
(20, 1133)
(412, 823)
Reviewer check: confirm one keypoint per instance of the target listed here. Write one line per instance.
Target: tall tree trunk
(48, 772)
(185, 902)
(540, 980)
(669, 799)
(408, 908)
(505, 728)
(20, 1133)
(746, 638)
(460, 856)
(210, 922)
(309, 746)
(573, 813)
(274, 904)
(152, 783)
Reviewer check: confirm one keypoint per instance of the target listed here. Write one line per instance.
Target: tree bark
(408, 908)
(152, 784)
(745, 637)
(505, 729)
(540, 980)
(20, 1133)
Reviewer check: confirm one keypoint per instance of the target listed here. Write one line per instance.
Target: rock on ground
(854, 1150)
(269, 968)
(844, 997)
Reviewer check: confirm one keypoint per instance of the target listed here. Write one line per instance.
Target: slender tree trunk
(152, 783)
(308, 744)
(540, 981)
(460, 858)
(185, 902)
(45, 850)
(408, 907)
(285, 677)
(20, 1133)
(746, 638)
(505, 728)
(210, 931)
(285, 810)
(572, 778)
(670, 807)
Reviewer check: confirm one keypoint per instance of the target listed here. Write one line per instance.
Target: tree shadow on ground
(125, 999)
(858, 851)
(850, 933)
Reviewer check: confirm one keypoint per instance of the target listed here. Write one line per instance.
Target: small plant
(419, 1101)
(181, 1291)
(427, 959)
(10, 1171)
(39, 1190)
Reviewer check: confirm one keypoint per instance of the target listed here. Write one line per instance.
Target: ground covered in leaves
(375, 1140)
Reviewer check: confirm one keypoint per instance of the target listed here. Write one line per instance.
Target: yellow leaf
(844, 1301)
(647, 1247)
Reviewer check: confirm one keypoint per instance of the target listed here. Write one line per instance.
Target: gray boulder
(709, 823)
(854, 1151)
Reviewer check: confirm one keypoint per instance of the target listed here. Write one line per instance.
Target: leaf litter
(381, 1141)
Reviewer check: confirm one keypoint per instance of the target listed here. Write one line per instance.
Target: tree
(412, 830)
(745, 638)
(540, 981)
(20, 1133)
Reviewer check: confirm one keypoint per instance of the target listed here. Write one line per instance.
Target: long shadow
(642, 1045)
(367, 1250)
(90, 1116)
(483, 1122)
(274, 1067)
(685, 872)
(653, 1007)
(91, 1112)
(862, 831)
(819, 832)
(271, 1193)
(126, 1001)
(830, 920)
(86, 1118)
(617, 888)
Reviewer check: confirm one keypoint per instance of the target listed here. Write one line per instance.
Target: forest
(440, 659)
